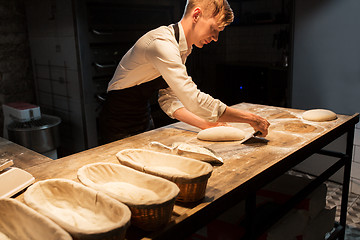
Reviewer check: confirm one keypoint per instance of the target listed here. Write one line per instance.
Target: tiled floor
(353, 217)
(334, 199)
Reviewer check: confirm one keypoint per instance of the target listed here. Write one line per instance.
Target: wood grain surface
(287, 134)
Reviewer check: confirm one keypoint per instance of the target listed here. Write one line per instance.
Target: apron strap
(176, 29)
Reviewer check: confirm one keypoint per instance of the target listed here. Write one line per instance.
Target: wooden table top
(242, 162)
(22, 157)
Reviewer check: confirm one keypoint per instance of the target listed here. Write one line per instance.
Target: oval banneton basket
(151, 199)
(83, 212)
(190, 175)
(18, 221)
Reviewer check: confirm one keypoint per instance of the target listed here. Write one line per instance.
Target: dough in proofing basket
(83, 212)
(18, 221)
(151, 199)
(169, 166)
(127, 185)
(190, 175)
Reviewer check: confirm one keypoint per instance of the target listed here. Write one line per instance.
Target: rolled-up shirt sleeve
(168, 102)
(182, 91)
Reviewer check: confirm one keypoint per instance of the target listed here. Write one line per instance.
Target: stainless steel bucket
(39, 135)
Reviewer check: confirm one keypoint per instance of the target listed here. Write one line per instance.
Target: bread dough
(189, 174)
(319, 115)
(4, 237)
(197, 152)
(127, 185)
(172, 167)
(221, 133)
(81, 211)
(18, 221)
(150, 199)
(189, 150)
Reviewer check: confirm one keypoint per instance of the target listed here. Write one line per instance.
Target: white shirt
(155, 54)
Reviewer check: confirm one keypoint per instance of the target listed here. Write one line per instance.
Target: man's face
(205, 31)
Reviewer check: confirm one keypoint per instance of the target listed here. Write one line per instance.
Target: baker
(157, 63)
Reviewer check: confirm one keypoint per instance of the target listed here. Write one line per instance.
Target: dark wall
(16, 81)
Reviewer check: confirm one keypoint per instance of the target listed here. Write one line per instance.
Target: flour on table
(4, 237)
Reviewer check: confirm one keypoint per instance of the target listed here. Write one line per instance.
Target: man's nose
(215, 37)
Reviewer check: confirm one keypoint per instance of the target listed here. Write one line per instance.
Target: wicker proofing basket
(151, 199)
(190, 175)
(81, 211)
(18, 221)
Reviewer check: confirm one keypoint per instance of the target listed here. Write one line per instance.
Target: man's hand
(236, 115)
(230, 115)
(260, 125)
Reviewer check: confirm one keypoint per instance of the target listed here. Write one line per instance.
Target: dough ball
(319, 115)
(221, 133)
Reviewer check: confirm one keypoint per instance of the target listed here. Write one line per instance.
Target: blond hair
(219, 9)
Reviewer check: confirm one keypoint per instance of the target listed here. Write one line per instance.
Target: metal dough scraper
(254, 135)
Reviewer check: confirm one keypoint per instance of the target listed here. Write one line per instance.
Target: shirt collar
(182, 40)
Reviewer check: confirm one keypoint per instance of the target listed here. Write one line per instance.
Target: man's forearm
(183, 115)
(236, 115)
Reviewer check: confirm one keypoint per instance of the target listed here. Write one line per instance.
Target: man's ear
(196, 14)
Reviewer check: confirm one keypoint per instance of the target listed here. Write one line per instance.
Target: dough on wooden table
(81, 211)
(319, 115)
(222, 133)
(18, 221)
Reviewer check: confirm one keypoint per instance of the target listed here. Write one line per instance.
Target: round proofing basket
(151, 199)
(192, 192)
(81, 211)
(153, 217)
(190, 175)
(18, 221)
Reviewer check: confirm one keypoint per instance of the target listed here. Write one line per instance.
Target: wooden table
(22, 157)
(247, 167)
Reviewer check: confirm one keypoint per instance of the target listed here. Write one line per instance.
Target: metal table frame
(345, 160)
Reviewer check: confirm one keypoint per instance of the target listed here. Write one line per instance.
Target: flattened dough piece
(221, 133)
(319, 115)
